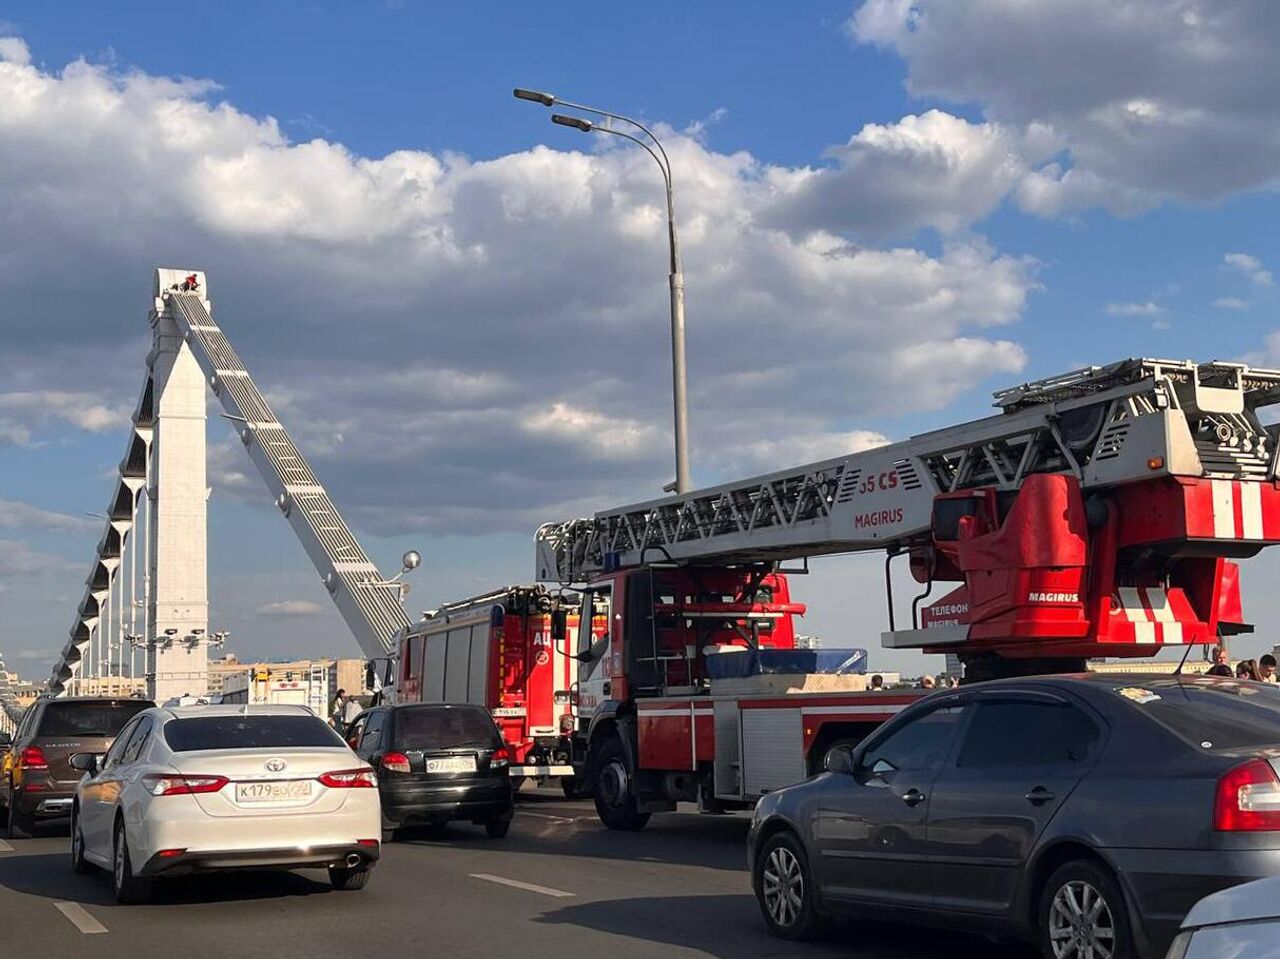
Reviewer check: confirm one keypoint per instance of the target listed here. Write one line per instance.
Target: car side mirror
(85, 762)
(559, 624)
(839, 759)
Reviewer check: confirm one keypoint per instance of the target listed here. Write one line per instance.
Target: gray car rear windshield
(444, 727)
(88, 719)
(1210, 713)
(248, 732)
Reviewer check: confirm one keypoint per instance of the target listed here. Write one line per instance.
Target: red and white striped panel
(1157, 617)
(1237, 509)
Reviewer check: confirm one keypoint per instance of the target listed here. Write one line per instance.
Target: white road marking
(542, 815)
(79, 917)
(5, 847)
(526, 886)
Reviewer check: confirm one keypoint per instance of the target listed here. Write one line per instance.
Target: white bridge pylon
(150, 611)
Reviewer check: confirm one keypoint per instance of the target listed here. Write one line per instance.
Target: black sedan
(1087, 813)
(436, 763)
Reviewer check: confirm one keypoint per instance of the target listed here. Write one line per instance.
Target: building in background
(308, 682)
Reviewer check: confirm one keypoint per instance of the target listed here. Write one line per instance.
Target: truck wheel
(613, 788)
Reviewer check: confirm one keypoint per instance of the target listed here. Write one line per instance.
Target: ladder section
(370, 606)
(1130, 421)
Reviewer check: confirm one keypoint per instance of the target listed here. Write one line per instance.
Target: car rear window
(1210, 713)
(248, 732)
(88, 719)
(444, 727)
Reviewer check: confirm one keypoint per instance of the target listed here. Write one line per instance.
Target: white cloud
(19, 560)
(1147, 99)
(1250, 266)
(18, 515)
(1147, 308)
(291, 607)
(464, 344)
(14, 50)
(934, 170)
(1230, 303)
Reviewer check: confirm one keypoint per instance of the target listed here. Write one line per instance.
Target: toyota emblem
(274, 765)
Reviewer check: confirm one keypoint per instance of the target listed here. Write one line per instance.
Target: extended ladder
(1108, 425)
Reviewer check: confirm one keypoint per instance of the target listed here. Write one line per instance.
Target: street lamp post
(679, 372)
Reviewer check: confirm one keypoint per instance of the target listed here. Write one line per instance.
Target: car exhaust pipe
(352, 860)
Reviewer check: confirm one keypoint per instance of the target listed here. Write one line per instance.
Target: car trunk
(256, 790)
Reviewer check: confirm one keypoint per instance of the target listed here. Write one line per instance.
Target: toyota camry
(193, 789)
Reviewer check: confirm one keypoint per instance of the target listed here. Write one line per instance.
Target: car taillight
(349, 779)
(160, 785)
(500, 757)
(1248, 799)
(32, 758)
(395, 763)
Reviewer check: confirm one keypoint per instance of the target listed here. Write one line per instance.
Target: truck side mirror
(5, 740)
(370, 675)
(559, 624)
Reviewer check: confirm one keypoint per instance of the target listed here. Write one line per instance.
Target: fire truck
(496, 651)
(1098, 514)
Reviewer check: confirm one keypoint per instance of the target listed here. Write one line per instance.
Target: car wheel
(613, 789)
(1083, 913)
(497, 828)
(78, 863)
(19, 826)
(348, 880)
(130, 889)
(785, 889)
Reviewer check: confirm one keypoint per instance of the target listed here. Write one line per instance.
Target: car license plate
(273, 791)
(454, 764)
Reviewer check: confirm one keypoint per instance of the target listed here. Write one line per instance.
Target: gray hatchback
(1088, 813)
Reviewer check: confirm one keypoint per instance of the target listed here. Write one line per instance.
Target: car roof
(1099, 680)
(1250, 901)
(196, 712)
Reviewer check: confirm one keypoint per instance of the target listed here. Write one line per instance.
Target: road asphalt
(559, 885)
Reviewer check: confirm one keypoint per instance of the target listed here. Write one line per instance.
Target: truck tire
(613, 788)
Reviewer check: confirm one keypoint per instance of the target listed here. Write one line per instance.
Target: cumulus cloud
(1250, 266)
(23, 413)
(482, 344)
(19, 560)
(1230, 303)
(933, 170)
(1147, 99)
(1147, 308)
(291, 607)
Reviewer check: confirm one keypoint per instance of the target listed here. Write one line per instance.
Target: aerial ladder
(370, 605)
(1099, 513)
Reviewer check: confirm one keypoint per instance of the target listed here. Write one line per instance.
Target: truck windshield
(445, 727)
(88, 719)
(249, 732)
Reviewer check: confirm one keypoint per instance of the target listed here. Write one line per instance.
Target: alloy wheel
(1081, 925)
(782, 886)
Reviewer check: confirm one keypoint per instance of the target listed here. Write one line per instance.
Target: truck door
(1022, 754)
(594, 668)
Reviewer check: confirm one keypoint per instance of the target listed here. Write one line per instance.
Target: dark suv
(41, 783)
(436, 763)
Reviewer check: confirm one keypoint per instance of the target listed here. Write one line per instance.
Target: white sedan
(189, 789)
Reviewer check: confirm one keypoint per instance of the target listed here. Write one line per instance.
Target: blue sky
(891, 209)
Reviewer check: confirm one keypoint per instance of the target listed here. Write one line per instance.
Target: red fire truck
(1098, 514)
(496, 651)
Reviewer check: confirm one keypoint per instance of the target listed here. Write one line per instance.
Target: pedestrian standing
(1220, 666)
(336, 710)
(1267, 668)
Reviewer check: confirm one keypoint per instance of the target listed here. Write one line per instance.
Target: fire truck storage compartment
(774, 739)
(457, 662)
